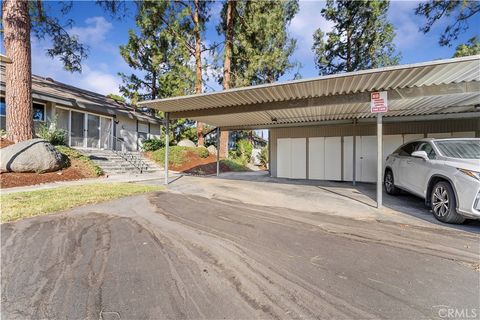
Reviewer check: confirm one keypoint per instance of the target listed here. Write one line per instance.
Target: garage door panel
(299, 158)
(333, 158)
(316, 158)
(369, 159)
(348, 158)
(284, 158)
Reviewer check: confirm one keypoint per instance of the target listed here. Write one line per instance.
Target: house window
(3, 110)
(38, 110)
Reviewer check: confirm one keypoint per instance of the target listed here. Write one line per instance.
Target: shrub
(202, 152)
(70, 153)
(176, 155)
(243, 151)
(55, 136)
(263, 157)
(152, 144)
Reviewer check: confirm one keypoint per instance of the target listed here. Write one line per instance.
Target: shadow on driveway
(365, 193)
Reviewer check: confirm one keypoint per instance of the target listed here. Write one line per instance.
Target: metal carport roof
(435, 87)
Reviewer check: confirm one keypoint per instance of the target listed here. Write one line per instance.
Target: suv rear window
(462, 149)
(406, 150)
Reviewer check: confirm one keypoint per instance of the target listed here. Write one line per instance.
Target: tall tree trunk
(198, 65)
(18, 74)
(227, 71)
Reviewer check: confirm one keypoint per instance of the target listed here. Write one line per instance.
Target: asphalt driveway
(165, 255)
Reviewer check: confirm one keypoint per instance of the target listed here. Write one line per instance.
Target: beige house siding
(470, 126)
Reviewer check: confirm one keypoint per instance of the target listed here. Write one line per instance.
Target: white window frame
(36, 102)
(44, 111)
(85, 119)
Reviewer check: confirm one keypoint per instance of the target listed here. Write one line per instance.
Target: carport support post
(218, 152)
(354, 180)
(167, 137)
(379, 160)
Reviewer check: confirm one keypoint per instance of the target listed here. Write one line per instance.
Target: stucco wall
(404, 128)
(126, 129)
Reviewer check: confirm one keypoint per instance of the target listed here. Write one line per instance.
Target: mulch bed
(77, 170)
(5, 143)
(198, 166)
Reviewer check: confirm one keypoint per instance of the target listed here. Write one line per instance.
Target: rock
(35, 155)
(255, 157)
(212, 150)
(186, 143)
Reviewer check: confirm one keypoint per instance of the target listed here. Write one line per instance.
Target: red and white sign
(378, 102)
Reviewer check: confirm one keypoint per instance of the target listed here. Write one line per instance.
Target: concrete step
(115, 163)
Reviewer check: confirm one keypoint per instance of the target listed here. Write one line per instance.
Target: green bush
(70, 153)
(57, 137)
(243, 151)
(152, 144)
(263, 157)
(176, 155)
(202, 152)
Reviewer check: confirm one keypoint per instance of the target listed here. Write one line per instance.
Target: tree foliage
(361, 38)
(435, 10)
(156, 52)
(472, 47)
(262, 47)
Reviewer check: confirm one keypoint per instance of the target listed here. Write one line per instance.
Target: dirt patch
(5, 143)
(77, 170)
(193, 164)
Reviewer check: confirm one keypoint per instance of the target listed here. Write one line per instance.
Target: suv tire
(444, 204)
(389, 183)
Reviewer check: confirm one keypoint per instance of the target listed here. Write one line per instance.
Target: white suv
(445, 172)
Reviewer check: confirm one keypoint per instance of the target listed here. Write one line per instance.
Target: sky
(104, 34)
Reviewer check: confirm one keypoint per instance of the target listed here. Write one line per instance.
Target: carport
(306, 114)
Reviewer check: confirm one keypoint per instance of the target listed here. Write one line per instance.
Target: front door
(93, 131)
(77, 129)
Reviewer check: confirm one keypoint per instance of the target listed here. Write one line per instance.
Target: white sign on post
(378, 102)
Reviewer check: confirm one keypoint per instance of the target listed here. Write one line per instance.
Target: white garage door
(316, 158)
(366, 150)
(284, 154)
(325, 158)
(291, 158)
(299, 158)
(333, 158)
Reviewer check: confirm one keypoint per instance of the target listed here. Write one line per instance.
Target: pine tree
(20, 20)
(257, 46)
(361, 38)
(163, 62)
(261, 46)
(435, 10)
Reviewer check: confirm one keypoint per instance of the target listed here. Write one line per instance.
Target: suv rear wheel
(444, 203)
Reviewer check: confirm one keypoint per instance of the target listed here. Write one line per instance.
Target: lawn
(22, 205)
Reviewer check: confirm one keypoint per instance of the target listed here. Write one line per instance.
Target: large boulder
(36, 155)
(186, 143)
(212, 150)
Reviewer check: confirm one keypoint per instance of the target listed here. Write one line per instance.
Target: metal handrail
(133, 159)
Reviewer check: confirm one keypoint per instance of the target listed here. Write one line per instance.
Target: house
(91, 120)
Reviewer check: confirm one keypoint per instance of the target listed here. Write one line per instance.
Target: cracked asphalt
(174, 256)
